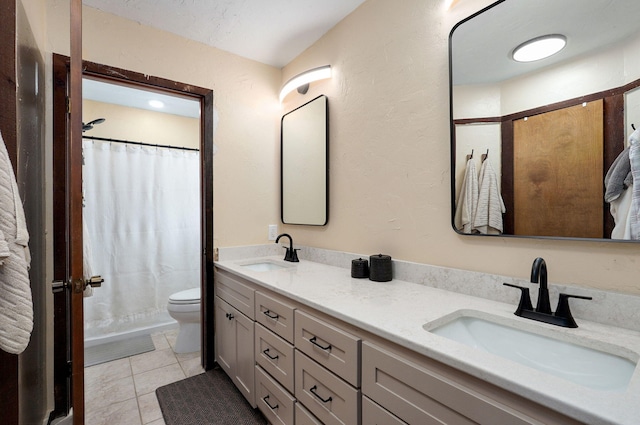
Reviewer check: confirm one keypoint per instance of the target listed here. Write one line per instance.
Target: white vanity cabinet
(235, 332)
(311, 368)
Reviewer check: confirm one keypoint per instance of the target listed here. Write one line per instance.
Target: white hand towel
(16, 307)
(634, 159)
(488, 217)
(467, 199)
(620, 209)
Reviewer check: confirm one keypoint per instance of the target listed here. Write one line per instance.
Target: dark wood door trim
(205, 97)
(74, 224)
(61, 300)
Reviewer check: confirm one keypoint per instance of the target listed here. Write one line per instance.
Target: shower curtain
(142, 216)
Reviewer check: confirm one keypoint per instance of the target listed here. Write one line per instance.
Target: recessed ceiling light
(156, 104)
(539, 48)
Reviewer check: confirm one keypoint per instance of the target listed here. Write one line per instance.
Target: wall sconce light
(301, 81)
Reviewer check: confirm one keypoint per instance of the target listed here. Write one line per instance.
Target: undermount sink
(263, 266)
(582, 365)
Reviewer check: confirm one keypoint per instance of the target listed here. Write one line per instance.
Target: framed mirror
(304, 162)
(536, 139)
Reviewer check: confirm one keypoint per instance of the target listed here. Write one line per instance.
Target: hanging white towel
(620, 209)
(467, 199)
(16, 306)
(488, 217)
(634, 159)
(618, 177)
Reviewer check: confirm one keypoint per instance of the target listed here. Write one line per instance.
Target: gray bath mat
(206, 399)
(117, 350)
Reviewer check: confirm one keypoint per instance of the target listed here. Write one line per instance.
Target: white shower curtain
(142, 211)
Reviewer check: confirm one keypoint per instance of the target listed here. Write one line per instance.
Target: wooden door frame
(121, 76)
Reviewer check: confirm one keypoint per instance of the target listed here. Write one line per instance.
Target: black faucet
(539, 275)
(542, 312)
(290, 253)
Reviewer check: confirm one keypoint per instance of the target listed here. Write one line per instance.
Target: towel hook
(633, 126)
(485, 156)
(470, 156)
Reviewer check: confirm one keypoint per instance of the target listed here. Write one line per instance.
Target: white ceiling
(269, 31)
(482, 46)
(108, 92)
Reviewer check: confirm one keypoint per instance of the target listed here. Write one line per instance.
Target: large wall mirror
(532, 142)
(304, 163)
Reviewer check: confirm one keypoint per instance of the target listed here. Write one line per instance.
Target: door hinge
(59, 286)
(68, 104)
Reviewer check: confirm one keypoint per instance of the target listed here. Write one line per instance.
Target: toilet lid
(186, 297)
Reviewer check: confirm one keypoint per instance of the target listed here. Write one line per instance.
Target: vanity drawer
(275, 315)
(421, 395)
(273, 400)
(235, 293)
(330, 346)
(303, 417)
(329, 398)
(275, 355)
(372, 414)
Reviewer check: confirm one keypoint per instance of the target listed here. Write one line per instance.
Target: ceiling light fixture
(156, 103)
(300, 80)
(539, 48)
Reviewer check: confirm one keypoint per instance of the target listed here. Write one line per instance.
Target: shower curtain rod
(105, 139)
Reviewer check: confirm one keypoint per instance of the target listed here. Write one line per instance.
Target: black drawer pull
(313, 391)
(229, 316)
(266, 353)
(313, 341)
(268, 314)
(265, 398)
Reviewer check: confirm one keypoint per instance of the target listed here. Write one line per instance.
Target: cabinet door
(245, 358)
(225, 335)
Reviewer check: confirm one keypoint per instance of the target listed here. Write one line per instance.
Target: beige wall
(389, 153)
(141, 125)
(389, 115)
(246, 180)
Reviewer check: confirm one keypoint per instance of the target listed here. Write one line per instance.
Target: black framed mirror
(304, 164)
(546, 132)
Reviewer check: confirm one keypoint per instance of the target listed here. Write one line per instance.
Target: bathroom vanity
(324, 348)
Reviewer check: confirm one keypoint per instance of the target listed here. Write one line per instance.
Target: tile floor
(122, 392)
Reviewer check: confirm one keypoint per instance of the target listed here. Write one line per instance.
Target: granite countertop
(398, 310)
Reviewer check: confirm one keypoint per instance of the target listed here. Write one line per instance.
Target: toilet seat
(189, 296)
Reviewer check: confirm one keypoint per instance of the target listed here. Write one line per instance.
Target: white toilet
(184, 306)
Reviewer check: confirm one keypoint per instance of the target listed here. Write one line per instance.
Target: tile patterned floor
(122, 392)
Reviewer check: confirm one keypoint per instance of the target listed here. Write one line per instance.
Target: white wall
(389, 153)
